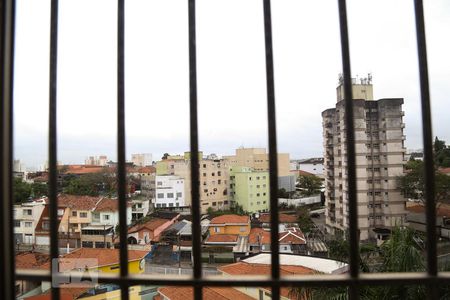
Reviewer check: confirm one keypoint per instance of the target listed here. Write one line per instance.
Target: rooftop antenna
(369, 78)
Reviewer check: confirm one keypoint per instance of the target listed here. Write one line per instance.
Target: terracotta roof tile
(283, 218)
(80, 169)
(209, 293)
(445, 170)
(230, 219)
(264, 236)
(292, 236)
(31, 260)
(441, 211)
(104, 257)
(107, 204)
(77, 202)
(150, 225)
(222, 238)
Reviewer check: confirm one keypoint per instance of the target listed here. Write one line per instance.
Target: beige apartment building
(214, 178)
(258, 160)
(380, 157)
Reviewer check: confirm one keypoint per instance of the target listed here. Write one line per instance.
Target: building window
(160, 195)
(27, 212)
(214, 204)
(216, 229)
(16, 223)
(159, 183)
(170, 204)
(83, 214)
(105, 217)
(179, 194)
(46, 225)
(170, 195)
(243, 229)
(28, 224)
(219, 173)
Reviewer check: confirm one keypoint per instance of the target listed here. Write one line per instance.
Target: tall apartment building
(258, 160)
(101, 160)
(380, 157)
(249, 189)
(213, 179)
(142, 159)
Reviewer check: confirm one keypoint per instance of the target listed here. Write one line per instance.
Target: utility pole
(179, 251)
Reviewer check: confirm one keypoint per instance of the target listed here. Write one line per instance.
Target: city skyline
(231, 75)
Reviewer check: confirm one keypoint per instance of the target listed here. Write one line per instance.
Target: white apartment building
(26, 218)
(169, 191)
(380, 157)
(142, 159)
(101, 160)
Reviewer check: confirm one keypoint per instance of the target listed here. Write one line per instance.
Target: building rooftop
(259, 236)
(222, 238)
(77, 202)
(283, 218)
(225, 219)
(150, 225)
(322, 265)
(209, 293)
(31, 260)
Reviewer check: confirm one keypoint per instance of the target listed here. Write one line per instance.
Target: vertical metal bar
(272, 135)
(427, 148)
(195, 182)
(121, 169)
(7, 277)
(350, 143)
(52, 141)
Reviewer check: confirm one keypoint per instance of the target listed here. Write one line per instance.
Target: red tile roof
(224, 219)
(283, 218)
(67, 293)
(31, 260)
(103, 256)
(107, 204)
(259, 236)
(150, 225)
(148, 169)
(80, 169)
(209, 293)
(77, 202)
(445, 171)
(441, 211)
(292, 236)
(222, 238)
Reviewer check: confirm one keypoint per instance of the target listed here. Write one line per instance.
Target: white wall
(170, 191)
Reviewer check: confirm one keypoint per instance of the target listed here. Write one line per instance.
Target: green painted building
(249, 189)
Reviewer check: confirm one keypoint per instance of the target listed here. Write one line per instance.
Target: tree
(309, 185)
(412, 185)
(165, 156)
(304, 220)
(23, 191)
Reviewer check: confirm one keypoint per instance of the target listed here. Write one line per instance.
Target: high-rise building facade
(380, 159)
(142, 159)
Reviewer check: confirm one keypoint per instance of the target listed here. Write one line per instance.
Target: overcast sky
(231, 73)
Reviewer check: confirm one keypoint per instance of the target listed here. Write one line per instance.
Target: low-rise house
(92, 261)
(28, 260)
(105, 218)
(292, 241)
(139, 208)
(147, 232)
(26, 217)
(230, 224)
(259, 240)
(284, 220)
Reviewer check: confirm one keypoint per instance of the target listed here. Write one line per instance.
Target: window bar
(350, 143)
(195, 181)
(427, 149)
(52, 142)
(121, 170)
(272, 136)
(7, 277)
